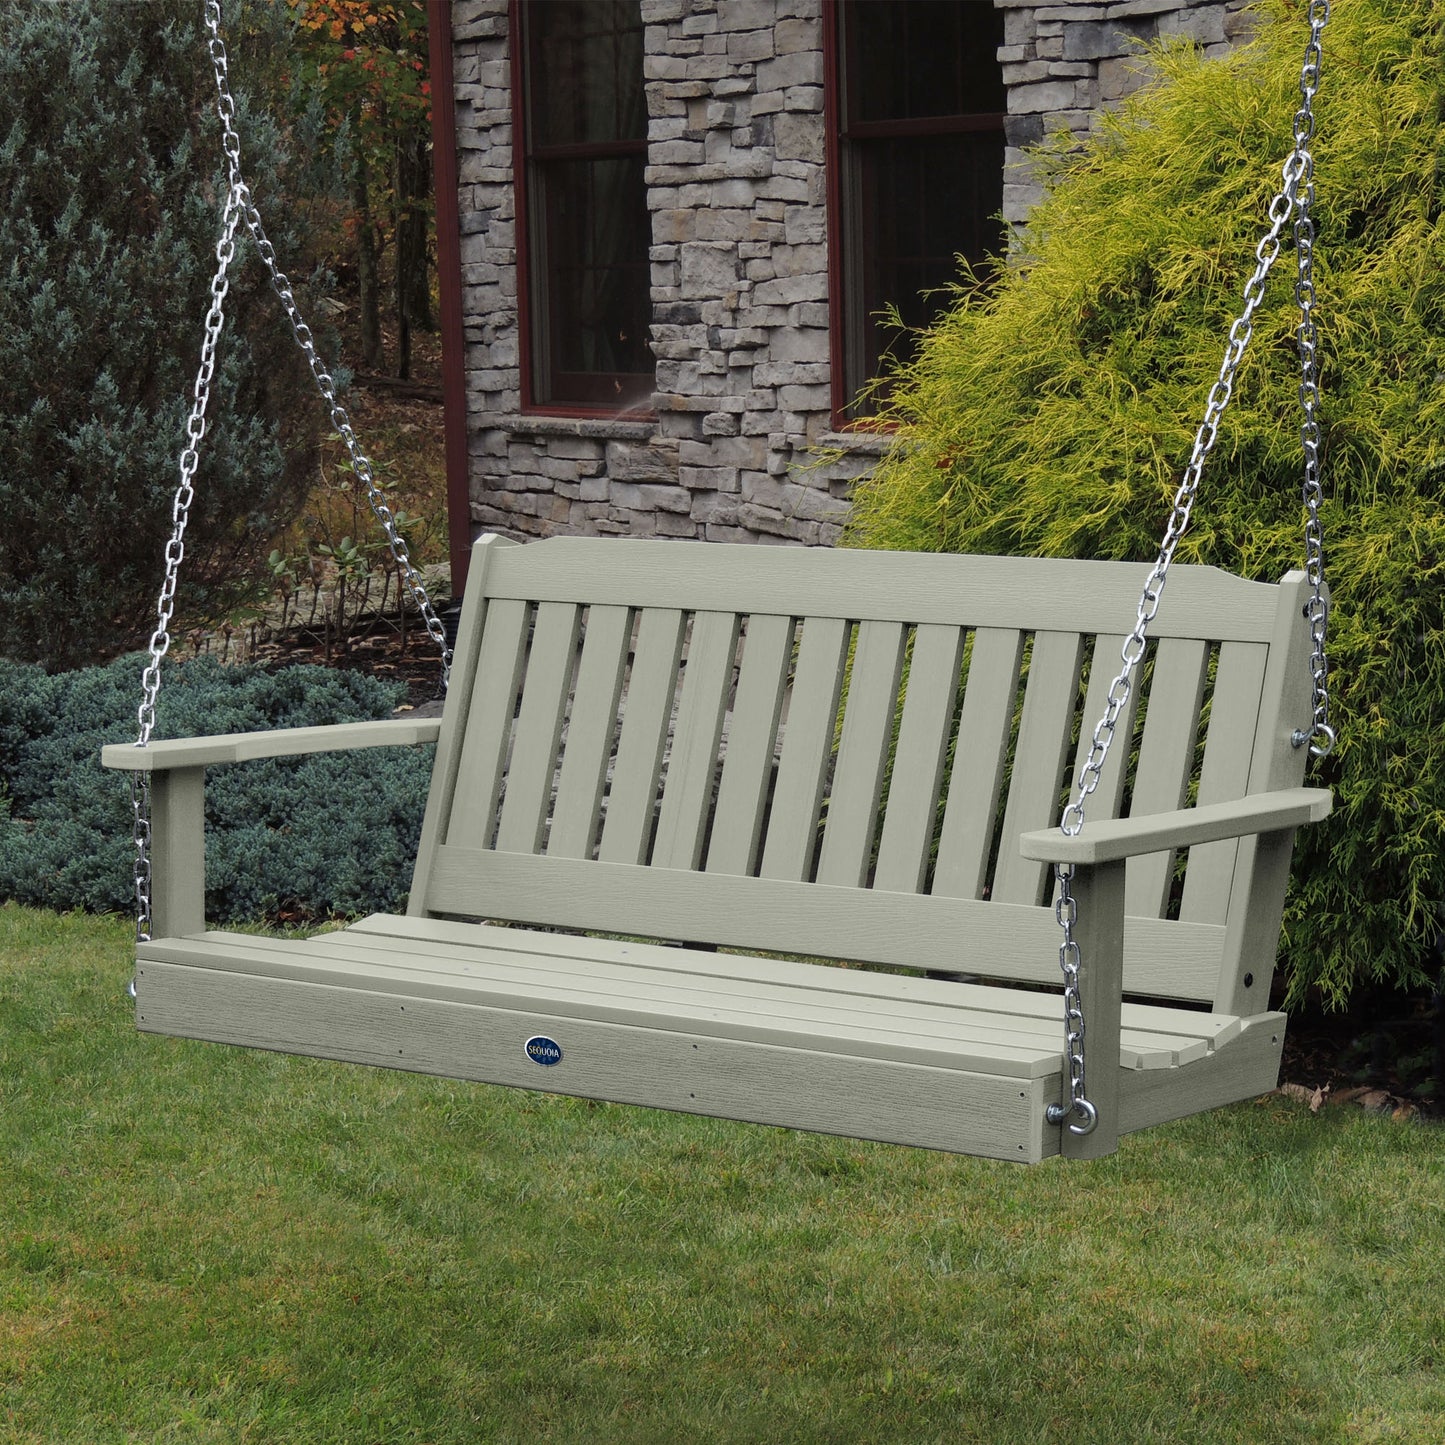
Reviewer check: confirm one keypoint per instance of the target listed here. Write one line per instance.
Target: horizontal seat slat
(1217, 1029)
(1140, 1049)
(991, 1015)
(292, 964)
(993, 1021)
(676, 993)
(667, 990)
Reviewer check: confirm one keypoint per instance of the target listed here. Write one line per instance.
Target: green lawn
(198, 1244)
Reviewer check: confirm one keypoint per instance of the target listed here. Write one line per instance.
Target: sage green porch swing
(716, 744)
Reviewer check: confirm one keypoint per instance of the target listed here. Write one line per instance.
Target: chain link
(1294, 199)
(1066, 910)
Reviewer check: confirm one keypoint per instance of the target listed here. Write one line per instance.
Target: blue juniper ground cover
(309, 836)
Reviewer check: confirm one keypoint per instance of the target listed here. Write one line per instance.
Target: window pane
(585, 71)
(923, 201)
(597, 234)
(587, 227)
(921, 151)
(913, 58)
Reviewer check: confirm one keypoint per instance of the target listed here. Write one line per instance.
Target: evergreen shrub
(318, 836)
(1052, 414)
(111, 175)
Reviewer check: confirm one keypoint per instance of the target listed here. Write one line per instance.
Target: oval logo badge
(544, 1051)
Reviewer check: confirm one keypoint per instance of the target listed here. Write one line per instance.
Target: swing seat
(652, 749)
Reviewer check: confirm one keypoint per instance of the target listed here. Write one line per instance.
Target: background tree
(110, 181)
(1053, 415)
(367, 59)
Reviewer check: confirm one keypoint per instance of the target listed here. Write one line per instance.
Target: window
(917, 111)
(582, 205)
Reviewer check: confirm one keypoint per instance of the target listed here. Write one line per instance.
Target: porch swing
(707, 745)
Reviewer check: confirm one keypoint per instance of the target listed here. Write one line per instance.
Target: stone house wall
(741, 444)
(1064, 64)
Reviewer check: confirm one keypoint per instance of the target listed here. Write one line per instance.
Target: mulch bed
(1386, 1054)
(376, 648)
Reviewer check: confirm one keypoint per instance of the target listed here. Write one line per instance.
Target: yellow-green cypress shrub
(1053, 414)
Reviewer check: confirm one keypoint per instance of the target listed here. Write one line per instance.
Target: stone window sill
(865, 443)
(604, 428)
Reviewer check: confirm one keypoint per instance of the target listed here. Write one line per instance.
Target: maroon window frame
(915, 115)
(584, 230)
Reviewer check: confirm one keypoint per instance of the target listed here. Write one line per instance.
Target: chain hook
(1321, 738)
(1056, 1114)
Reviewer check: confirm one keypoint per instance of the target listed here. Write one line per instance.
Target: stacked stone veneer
(741, 428)
(1064, 64)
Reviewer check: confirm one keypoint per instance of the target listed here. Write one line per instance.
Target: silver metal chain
(361, 464)
(1321, 736)
(1066, 910)
(1294, 199)
(140, 791)
(239, 206)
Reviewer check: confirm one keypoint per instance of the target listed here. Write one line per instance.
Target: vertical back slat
(984, 726)
(903, 849)
(533, 767)
(589, 731)
(489, 723)
(1106, 662)
(707, 679)
(862, 754)
(1228, 752)
(643, 736)
(807, 747)
(1045, 732)
(1166, 759)
(752, 738)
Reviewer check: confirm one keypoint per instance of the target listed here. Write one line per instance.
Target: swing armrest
(177, 769)
(1113, 839)
(278, 743)
(1100, 852)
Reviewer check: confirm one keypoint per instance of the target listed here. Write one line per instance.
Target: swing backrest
(831, 753)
